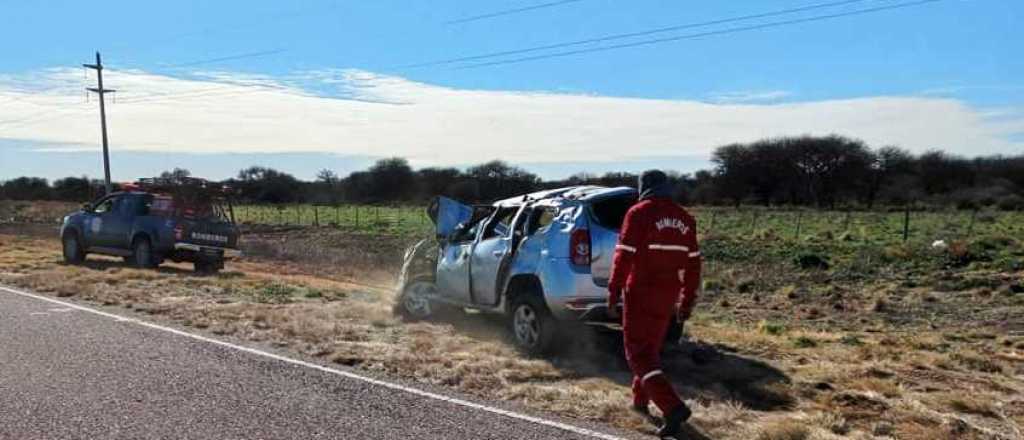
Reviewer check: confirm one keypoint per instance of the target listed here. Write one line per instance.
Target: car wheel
(415, 302)
(207, 267)
(533, 328)
(142, 252)
(73, 252)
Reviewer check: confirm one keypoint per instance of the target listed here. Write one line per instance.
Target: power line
(635, 34)
(510, 11)
(699, 35)
(228, 58)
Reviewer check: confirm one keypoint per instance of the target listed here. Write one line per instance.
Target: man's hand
(682, 314)
(613, 305)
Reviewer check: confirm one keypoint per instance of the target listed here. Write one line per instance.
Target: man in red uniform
(656, 272)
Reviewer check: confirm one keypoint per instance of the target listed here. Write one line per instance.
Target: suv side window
(463, 234)
(500, 224)
(540, 218)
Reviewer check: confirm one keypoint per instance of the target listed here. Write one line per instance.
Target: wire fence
(398, 220)
(882, 227)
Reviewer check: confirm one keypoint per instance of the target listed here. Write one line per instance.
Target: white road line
(347, 374)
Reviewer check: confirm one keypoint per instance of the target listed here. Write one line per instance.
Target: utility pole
(98, 67)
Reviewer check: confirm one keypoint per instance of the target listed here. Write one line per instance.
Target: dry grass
(813, 377)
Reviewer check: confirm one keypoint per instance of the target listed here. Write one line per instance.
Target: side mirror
(87, 207)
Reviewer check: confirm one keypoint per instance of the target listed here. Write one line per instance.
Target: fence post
(906, 223)
(711, 227)
(357, 216)
(846, 221)
(753, 223)
(337, 218)
(970, 226)
(316, 215)
(799, 219)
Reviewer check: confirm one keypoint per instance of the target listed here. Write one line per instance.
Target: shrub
(771, 328)
(804, 342)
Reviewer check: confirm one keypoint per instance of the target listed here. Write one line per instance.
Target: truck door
(116, 224)
(489, 254)
(93, 224)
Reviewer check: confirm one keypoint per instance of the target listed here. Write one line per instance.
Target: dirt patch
(778, 370)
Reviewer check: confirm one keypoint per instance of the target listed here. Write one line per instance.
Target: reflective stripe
(694, 254)
(650, 375)
(625, 248)
(668, 247)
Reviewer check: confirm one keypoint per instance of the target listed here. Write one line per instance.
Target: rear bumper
(595, 313)
(225, 253)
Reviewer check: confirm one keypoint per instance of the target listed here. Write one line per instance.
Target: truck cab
(148, 227)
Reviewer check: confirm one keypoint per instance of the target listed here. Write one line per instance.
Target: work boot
(642, 411)
(674, 421)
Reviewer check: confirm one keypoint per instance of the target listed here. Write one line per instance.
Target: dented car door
(489, 255)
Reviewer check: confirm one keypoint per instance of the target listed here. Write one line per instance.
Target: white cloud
(750, 97)
(376, 115)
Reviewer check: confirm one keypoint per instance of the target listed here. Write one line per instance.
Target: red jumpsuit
(656, 269)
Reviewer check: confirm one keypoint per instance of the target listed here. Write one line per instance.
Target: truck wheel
(415, 303)
(73, 251)
(207, 267)
(533, 328)
(142, 254)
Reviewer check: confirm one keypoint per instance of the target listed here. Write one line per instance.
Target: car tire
(414, 301)
(142, 254)
(207, 267)
(72, 249)
(531, 324)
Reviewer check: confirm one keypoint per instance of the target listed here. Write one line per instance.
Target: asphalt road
(67, 373)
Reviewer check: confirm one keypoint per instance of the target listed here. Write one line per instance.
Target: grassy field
(789, 225)
(822, 336)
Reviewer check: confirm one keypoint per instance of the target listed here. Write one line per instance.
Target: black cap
(654, 183)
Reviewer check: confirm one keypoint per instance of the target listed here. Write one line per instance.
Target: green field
(780, 225)
(389, 220)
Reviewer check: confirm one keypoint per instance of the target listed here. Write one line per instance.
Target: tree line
(825, 172)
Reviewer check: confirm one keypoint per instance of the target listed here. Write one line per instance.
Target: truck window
(161, 206)
(105, 206)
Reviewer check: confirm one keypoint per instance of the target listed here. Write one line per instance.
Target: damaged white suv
(541, 260)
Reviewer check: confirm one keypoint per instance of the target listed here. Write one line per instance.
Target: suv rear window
(610, 212)
(204, 210)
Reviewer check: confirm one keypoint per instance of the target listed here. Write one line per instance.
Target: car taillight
(179, 232)
(579, 247)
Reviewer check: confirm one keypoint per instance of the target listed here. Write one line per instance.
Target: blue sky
(963, 53)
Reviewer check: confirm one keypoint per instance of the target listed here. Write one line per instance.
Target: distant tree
(73, 189)
(942, 173)
(390, 179)
(176, 174)
(327, 176)
(498, 180)
(267, 185)
(27, 188)
(437, 181)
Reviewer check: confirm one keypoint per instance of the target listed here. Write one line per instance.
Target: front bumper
(225, 253)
